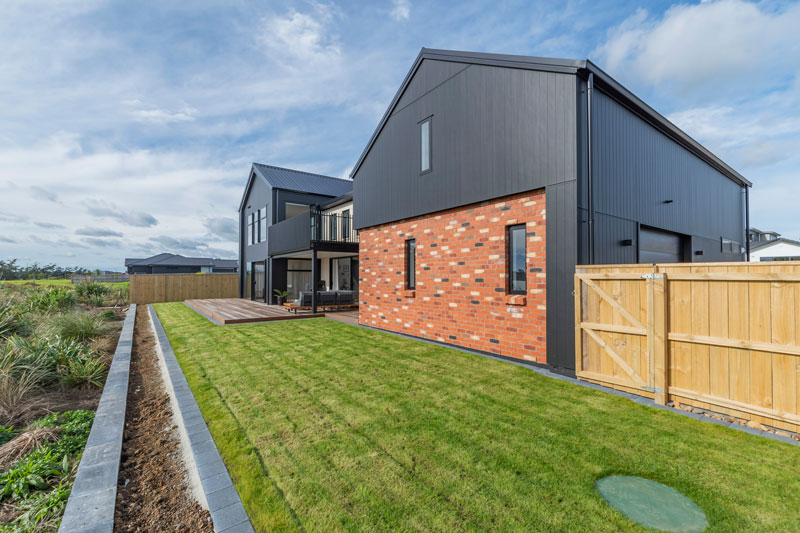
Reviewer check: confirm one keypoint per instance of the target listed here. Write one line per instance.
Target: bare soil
(153, 494)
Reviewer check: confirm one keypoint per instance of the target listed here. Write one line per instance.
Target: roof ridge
(301, 172)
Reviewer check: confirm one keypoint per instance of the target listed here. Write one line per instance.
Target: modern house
(296, 233)
(770, 246)
(490, 177)
(167, 263)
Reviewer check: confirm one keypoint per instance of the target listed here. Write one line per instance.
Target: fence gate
(620, 330)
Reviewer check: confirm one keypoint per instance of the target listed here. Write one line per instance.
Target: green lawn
(52, 282)
(326, 426)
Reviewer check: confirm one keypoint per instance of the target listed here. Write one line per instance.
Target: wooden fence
(153, 288)
(719, 336)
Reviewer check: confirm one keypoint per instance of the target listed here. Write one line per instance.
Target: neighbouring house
(490, 177)
(770, 246)
(167, 263)
(296, 232)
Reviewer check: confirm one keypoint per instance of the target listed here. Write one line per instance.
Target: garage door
(657, 246)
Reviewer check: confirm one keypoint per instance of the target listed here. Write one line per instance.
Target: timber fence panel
(719, 336)
(155, 288)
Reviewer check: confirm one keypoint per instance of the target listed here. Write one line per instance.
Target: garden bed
(55, 346)
(153, 493)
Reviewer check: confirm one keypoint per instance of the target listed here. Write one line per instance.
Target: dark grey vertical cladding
(495, 131)
(581, 185)
(562, 255)
(615, 240)
(277, 276)
(643, 176)
(260, 196)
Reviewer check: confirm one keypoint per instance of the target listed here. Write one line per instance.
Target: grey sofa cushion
(344, 297)
(326, 298)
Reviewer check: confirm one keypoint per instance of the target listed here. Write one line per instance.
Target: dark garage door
(657, 246)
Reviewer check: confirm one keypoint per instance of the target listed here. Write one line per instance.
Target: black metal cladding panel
(260, 195)
(562, 254)
(495, 131)
(290, 235)
(610, 234)
(430, 73)
(637, 170)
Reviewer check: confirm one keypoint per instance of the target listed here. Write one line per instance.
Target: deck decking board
(238, 311)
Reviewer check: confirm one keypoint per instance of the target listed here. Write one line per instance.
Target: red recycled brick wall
(460, 296)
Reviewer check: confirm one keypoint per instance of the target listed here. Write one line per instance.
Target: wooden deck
(239, 311)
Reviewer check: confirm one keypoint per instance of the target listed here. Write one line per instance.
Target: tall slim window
(411, 263)
(257, 228)
(425, 145)
(346, 225)
(517, 279)
(263, 225)
(332, 226)
(250, 232)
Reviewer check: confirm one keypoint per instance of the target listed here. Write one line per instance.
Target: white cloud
(41, 194)
(401, 10)
(97, 232)
(301, 41)
(224, 228)
(163, 116)
(704, 47)
(102, 209)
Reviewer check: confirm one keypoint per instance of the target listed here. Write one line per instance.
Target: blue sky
(128, 128)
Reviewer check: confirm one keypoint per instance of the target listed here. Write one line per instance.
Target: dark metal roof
(338, 201)
(296, 180)
(167, 259)
(567, 66)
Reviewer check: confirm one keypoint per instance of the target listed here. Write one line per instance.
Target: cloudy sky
(128, 128)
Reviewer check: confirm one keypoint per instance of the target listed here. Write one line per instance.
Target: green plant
(84, 371)
(86, 289)
(41, 510)
(74, 427)
(6, 434)
(51, 299)
(78, 326)
(109, 315)
(32, 473)
(20, 374)
(7, 320)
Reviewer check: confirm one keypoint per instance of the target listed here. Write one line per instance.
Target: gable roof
(167, 259)
(298, 181)
(583, 68)
(765, 244)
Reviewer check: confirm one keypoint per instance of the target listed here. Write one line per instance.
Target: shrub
(21, 373)
(42, 510)
(31, 473)
(74, 426)
(51, 299)
(92, 292)
(77, 326)
(84, 372)
(95, 300)
(109, 315)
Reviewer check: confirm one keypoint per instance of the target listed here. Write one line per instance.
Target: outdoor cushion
(344, 297)
(326, 298)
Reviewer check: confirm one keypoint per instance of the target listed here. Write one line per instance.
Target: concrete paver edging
(90, 507)
(209, 477)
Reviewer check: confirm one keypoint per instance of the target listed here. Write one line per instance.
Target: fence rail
(719, 336)
(155, 288)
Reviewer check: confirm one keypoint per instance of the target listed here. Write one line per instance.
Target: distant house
(770, 246)
(167, 263)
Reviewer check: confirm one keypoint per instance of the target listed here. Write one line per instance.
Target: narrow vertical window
(425, 145)
(257, 227)
(263, 225)
(411, 263)
(346, 224)
(250, 233)
(332, 226)
(517, 278)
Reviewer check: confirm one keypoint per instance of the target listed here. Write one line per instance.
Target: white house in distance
(770, 246)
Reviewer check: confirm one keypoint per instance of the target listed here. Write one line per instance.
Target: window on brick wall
(411, 263)
(516, 269)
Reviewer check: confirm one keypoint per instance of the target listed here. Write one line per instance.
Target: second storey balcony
(314, 229)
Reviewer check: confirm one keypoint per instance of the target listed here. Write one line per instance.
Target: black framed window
(332, 226)
(262, 225)
(346, 224)
(516, 265)
(411, 263)
(425, 146)
(251, 228)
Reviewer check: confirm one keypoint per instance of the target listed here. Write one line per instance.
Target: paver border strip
(204, 461)
(545, 370)
(91, 504)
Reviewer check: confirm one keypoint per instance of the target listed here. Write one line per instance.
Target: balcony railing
(333, 228)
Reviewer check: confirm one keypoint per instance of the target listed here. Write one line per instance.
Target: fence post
(578, 330)
(657, 335)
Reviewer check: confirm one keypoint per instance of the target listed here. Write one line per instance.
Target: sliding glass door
(259, 281)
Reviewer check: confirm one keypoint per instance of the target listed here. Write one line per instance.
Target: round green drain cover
(652, 504)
